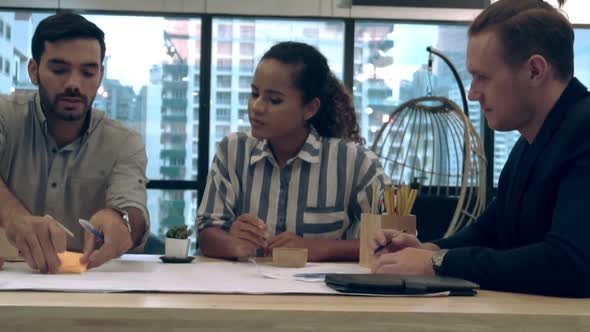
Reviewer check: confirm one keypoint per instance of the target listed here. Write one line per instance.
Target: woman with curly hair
(302, 178)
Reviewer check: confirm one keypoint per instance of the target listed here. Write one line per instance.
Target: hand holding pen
(106, 238)
(391, 240)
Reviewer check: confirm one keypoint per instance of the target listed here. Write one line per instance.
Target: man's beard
(50, 107)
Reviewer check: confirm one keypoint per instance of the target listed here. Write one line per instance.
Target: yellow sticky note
(70, 262)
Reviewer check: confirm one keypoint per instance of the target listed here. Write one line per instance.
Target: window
(311, 33)
(243, 114)
(390, 61)
(224, 48)
(247, 31)
(245, 82)
(223, 114)
(504, 141)
(169, 208)
(224, 31)
(247, 65)
(256, 36)
(247, 49)
(223, 82)
(154, 85)
(243, 98)
(16, 31)
(224, 64)
(220, 132)
(223, 98)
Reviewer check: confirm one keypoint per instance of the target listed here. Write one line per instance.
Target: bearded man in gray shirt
(60, 160)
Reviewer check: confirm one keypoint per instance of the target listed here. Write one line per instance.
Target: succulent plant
(179, 232)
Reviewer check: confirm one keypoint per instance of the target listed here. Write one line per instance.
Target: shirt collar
(310, 151)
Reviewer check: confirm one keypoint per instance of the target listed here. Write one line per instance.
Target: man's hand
(409, 261)
(316, 252)
(38, 240)
(395, 240)
(117, 239)
(248, 233)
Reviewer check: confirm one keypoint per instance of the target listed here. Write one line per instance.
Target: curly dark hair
(336, 116)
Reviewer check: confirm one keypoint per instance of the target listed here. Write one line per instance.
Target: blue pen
(89, 227)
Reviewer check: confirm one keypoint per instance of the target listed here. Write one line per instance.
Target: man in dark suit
(533, 237)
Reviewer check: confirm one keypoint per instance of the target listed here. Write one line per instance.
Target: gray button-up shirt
(104, 167)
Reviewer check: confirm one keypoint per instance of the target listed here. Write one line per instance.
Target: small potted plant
(177, 241)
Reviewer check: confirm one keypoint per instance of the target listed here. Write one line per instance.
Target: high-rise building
(179, 87)
(7, 48)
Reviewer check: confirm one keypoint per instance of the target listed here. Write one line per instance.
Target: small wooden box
(371, 223)
(289, 257)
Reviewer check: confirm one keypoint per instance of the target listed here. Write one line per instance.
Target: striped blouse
(320, 193)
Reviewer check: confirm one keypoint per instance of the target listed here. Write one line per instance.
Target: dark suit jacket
(534, 237)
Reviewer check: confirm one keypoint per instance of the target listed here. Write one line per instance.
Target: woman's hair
(336, 116)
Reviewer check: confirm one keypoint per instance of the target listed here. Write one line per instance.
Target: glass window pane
(169, 208)
(504, 141)
(390, 68)
(153, 87)
(238, 45)
(16, 31)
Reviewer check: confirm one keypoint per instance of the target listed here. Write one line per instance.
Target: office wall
(312, 8)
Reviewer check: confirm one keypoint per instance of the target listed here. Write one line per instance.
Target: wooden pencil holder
(371, 223)
(289, 257)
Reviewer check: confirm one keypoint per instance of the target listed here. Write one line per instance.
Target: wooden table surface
(488, 311)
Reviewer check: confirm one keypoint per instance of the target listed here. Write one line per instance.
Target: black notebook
(388, 284)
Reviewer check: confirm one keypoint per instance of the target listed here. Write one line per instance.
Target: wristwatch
(437, 260)
(124, 215)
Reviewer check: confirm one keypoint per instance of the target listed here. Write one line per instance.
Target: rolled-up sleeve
(127, 183)
(218, 204)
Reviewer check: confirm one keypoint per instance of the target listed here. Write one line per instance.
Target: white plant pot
(177, 247)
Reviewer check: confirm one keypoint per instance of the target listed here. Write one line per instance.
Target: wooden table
(489, 311)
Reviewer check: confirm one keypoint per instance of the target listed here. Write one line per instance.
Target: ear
(33, 71)
(538, 70)
(311, 109)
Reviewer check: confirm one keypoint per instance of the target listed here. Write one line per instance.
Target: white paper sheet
(141, 273)
(144, 273)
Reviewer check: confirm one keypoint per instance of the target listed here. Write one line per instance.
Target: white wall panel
(176, 6)
(29, 3)
(411, 13)
(265, 7)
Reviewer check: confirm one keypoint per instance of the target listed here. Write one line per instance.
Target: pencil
(60, 225)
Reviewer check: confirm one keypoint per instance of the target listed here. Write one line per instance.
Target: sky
(124, 37)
